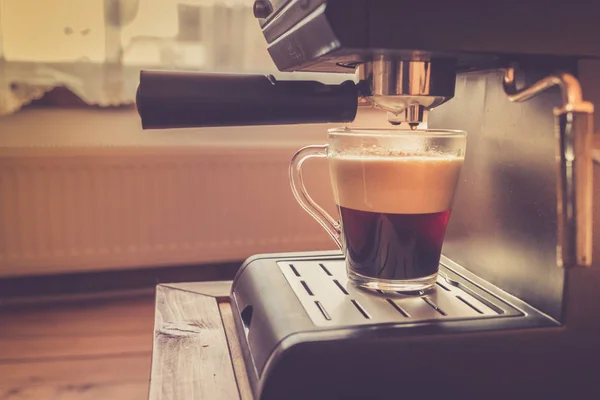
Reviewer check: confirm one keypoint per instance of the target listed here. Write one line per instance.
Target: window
(96, 48)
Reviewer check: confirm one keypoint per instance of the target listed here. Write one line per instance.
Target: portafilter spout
(407, 90)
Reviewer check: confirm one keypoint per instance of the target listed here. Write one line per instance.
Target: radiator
(83, 208)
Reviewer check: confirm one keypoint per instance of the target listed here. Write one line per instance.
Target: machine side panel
(503, 224)
(266, 311)
(518, 364)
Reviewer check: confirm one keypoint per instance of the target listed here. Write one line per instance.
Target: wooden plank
(113, 390)
(218, 289)
(88, 378)
(190, 357)
(66, 298)
(92, 317)
(89, 349)
(595, 153)
(116, 391)
(235, 351)
(40, 347)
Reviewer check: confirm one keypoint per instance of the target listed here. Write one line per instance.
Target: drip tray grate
(331, 300)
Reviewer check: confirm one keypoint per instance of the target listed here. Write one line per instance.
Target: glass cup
(394, 191)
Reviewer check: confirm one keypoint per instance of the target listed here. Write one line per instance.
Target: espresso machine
(515, 313)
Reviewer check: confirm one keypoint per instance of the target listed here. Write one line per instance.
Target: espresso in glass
(394, 191)
(394, 212)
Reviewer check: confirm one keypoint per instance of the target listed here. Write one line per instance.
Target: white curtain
(96, 48)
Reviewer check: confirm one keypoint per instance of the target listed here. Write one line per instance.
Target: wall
(84, 190)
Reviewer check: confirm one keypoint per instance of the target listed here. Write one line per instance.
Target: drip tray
(330, 300)
(304, 327)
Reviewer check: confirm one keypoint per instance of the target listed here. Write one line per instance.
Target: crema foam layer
(400, 185)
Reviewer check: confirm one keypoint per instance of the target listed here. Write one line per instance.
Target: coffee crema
(394, 211)
(401, 185)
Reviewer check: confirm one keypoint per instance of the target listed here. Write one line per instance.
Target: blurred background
(95, 48)
(83, 188)
(95, 212)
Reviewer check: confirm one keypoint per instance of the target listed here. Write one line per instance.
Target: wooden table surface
(196, 352)
(95, 347)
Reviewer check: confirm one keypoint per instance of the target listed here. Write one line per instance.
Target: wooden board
(54, 347)
(88, 349)
(102, 348)
(86, 378)
(190, 357)
(90, 317)
(217, 289)
(596, 148)
(235, 351)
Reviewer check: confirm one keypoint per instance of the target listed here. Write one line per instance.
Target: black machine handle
(184, 99)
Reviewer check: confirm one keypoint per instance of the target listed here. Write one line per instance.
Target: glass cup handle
(332, 226)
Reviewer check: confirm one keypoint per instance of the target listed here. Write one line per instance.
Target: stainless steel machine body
(516, 313)
(526, 327)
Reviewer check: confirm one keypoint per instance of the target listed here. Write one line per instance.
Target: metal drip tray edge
(331, 301)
